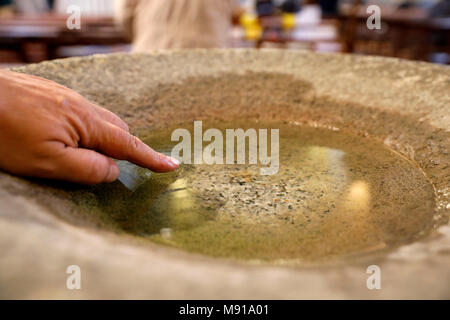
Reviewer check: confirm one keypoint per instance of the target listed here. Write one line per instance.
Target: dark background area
(35, 30)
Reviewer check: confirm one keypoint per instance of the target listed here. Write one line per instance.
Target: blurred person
(173, 24)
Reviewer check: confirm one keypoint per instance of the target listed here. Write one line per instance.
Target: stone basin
(404, 106)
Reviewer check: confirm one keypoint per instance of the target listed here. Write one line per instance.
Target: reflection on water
(334, 195)
(358, 196)
(180, 198)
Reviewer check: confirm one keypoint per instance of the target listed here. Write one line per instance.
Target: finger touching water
(50, 131)
(119, 144)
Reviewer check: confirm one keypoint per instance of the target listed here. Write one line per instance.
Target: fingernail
(173, 161)
(113, 174)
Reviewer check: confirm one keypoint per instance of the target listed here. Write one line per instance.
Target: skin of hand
(50, 131)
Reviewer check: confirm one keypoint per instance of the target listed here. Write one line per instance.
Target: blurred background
(37, 30)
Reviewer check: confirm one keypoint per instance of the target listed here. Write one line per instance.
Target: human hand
(50, 131)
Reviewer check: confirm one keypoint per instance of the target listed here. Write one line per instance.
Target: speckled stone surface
(405, 105)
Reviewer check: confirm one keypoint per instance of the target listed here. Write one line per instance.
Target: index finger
(120, 144)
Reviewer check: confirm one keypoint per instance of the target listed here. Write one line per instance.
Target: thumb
(85, 166)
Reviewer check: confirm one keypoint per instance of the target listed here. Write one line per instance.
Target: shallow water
(334, 195)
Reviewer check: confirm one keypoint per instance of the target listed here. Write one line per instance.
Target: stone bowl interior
(402, 105)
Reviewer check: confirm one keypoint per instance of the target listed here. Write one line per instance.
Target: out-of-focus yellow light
(248, 20)
(253, 30)
(288, 20)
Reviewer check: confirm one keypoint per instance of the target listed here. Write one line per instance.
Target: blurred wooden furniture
(38, 37)
(405, 33)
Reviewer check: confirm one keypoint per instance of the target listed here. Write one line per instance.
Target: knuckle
(84, 115)
(133, 143)
(70, 101)
(124, 125)
(161, 158)
(63, 101)
(97, 171)
(72, 108)
(85, 128)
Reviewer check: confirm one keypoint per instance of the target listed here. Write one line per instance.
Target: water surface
(335, 195)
